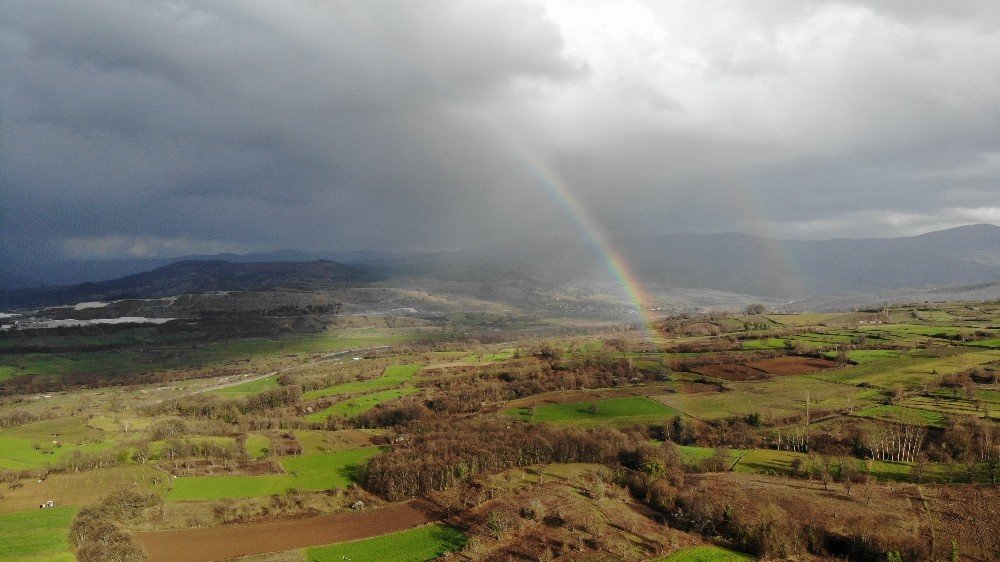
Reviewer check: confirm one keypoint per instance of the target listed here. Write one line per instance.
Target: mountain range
(195, 276)
(737, 263)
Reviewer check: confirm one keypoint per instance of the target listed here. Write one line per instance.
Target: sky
(163, 128)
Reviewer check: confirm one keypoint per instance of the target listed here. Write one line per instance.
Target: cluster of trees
(438, 454)
(98, 533)
(15, 418)
(894, 442)
(772, 529)
(970, 441)
(472, 389)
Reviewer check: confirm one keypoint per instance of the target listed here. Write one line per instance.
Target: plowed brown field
(233, 541)
(793, 365)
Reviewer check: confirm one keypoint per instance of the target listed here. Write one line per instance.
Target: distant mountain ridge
(730, 262)
(17, 275)
(756, 265)
(196, 276)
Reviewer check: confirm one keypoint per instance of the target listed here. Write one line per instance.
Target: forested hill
(196, 277)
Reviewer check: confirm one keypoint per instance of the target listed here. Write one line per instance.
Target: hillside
(192, 276)
(745, 264)
(518, 272)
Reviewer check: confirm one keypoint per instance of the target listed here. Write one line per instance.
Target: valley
(515, 437)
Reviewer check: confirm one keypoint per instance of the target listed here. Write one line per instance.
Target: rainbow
(592, 234)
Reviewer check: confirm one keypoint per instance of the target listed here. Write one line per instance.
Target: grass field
(313, 441)
(992, 343)
(307, 472)
(903, 414)
(18, 453)
(782, 396)
(768, 461)
(248, 388)
(257, 446)
(156, 447)
(40, 534)
(394, 383)
(504, 355)
(764, 343)
(330, 470)
(81, 488)
(65, 430)
(706, 554)
(868, 355)
(611, 410)
(7, 371)
(912, 369)
(360, 404)
(414, 545)
(692, 455)
(394, 375)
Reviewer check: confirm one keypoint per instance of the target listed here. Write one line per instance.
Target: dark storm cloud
(153, 128)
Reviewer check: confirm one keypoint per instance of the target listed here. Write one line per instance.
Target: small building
(49, 503)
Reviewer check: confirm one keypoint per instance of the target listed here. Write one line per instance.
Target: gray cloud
(161, 127)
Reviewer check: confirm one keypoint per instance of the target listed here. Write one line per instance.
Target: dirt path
(233, 541)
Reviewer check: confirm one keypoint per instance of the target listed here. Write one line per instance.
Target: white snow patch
(86, 305)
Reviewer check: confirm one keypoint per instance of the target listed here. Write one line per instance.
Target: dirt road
(233, 541)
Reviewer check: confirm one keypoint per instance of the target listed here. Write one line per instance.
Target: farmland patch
(414, 545)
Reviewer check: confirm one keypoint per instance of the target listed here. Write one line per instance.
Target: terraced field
(393, 376)
(351, 407)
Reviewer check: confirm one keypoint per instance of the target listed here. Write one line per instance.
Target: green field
(868, 355)
(7, 371)
(771, 461)
(361, 404)
(992, 343)
(764, 343)
(307, 472)
(393, 376)
(706, 554)
(394, 383)
(248, 388)
(903, 414)
(19, 453)
(610, 410)
(65, 430)
(257, 445)
(328, 470)
(504, 355)
(41, 534)
(414, 545)
(782, 396)
(912, 369)
(692, 455)
(157, 447)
